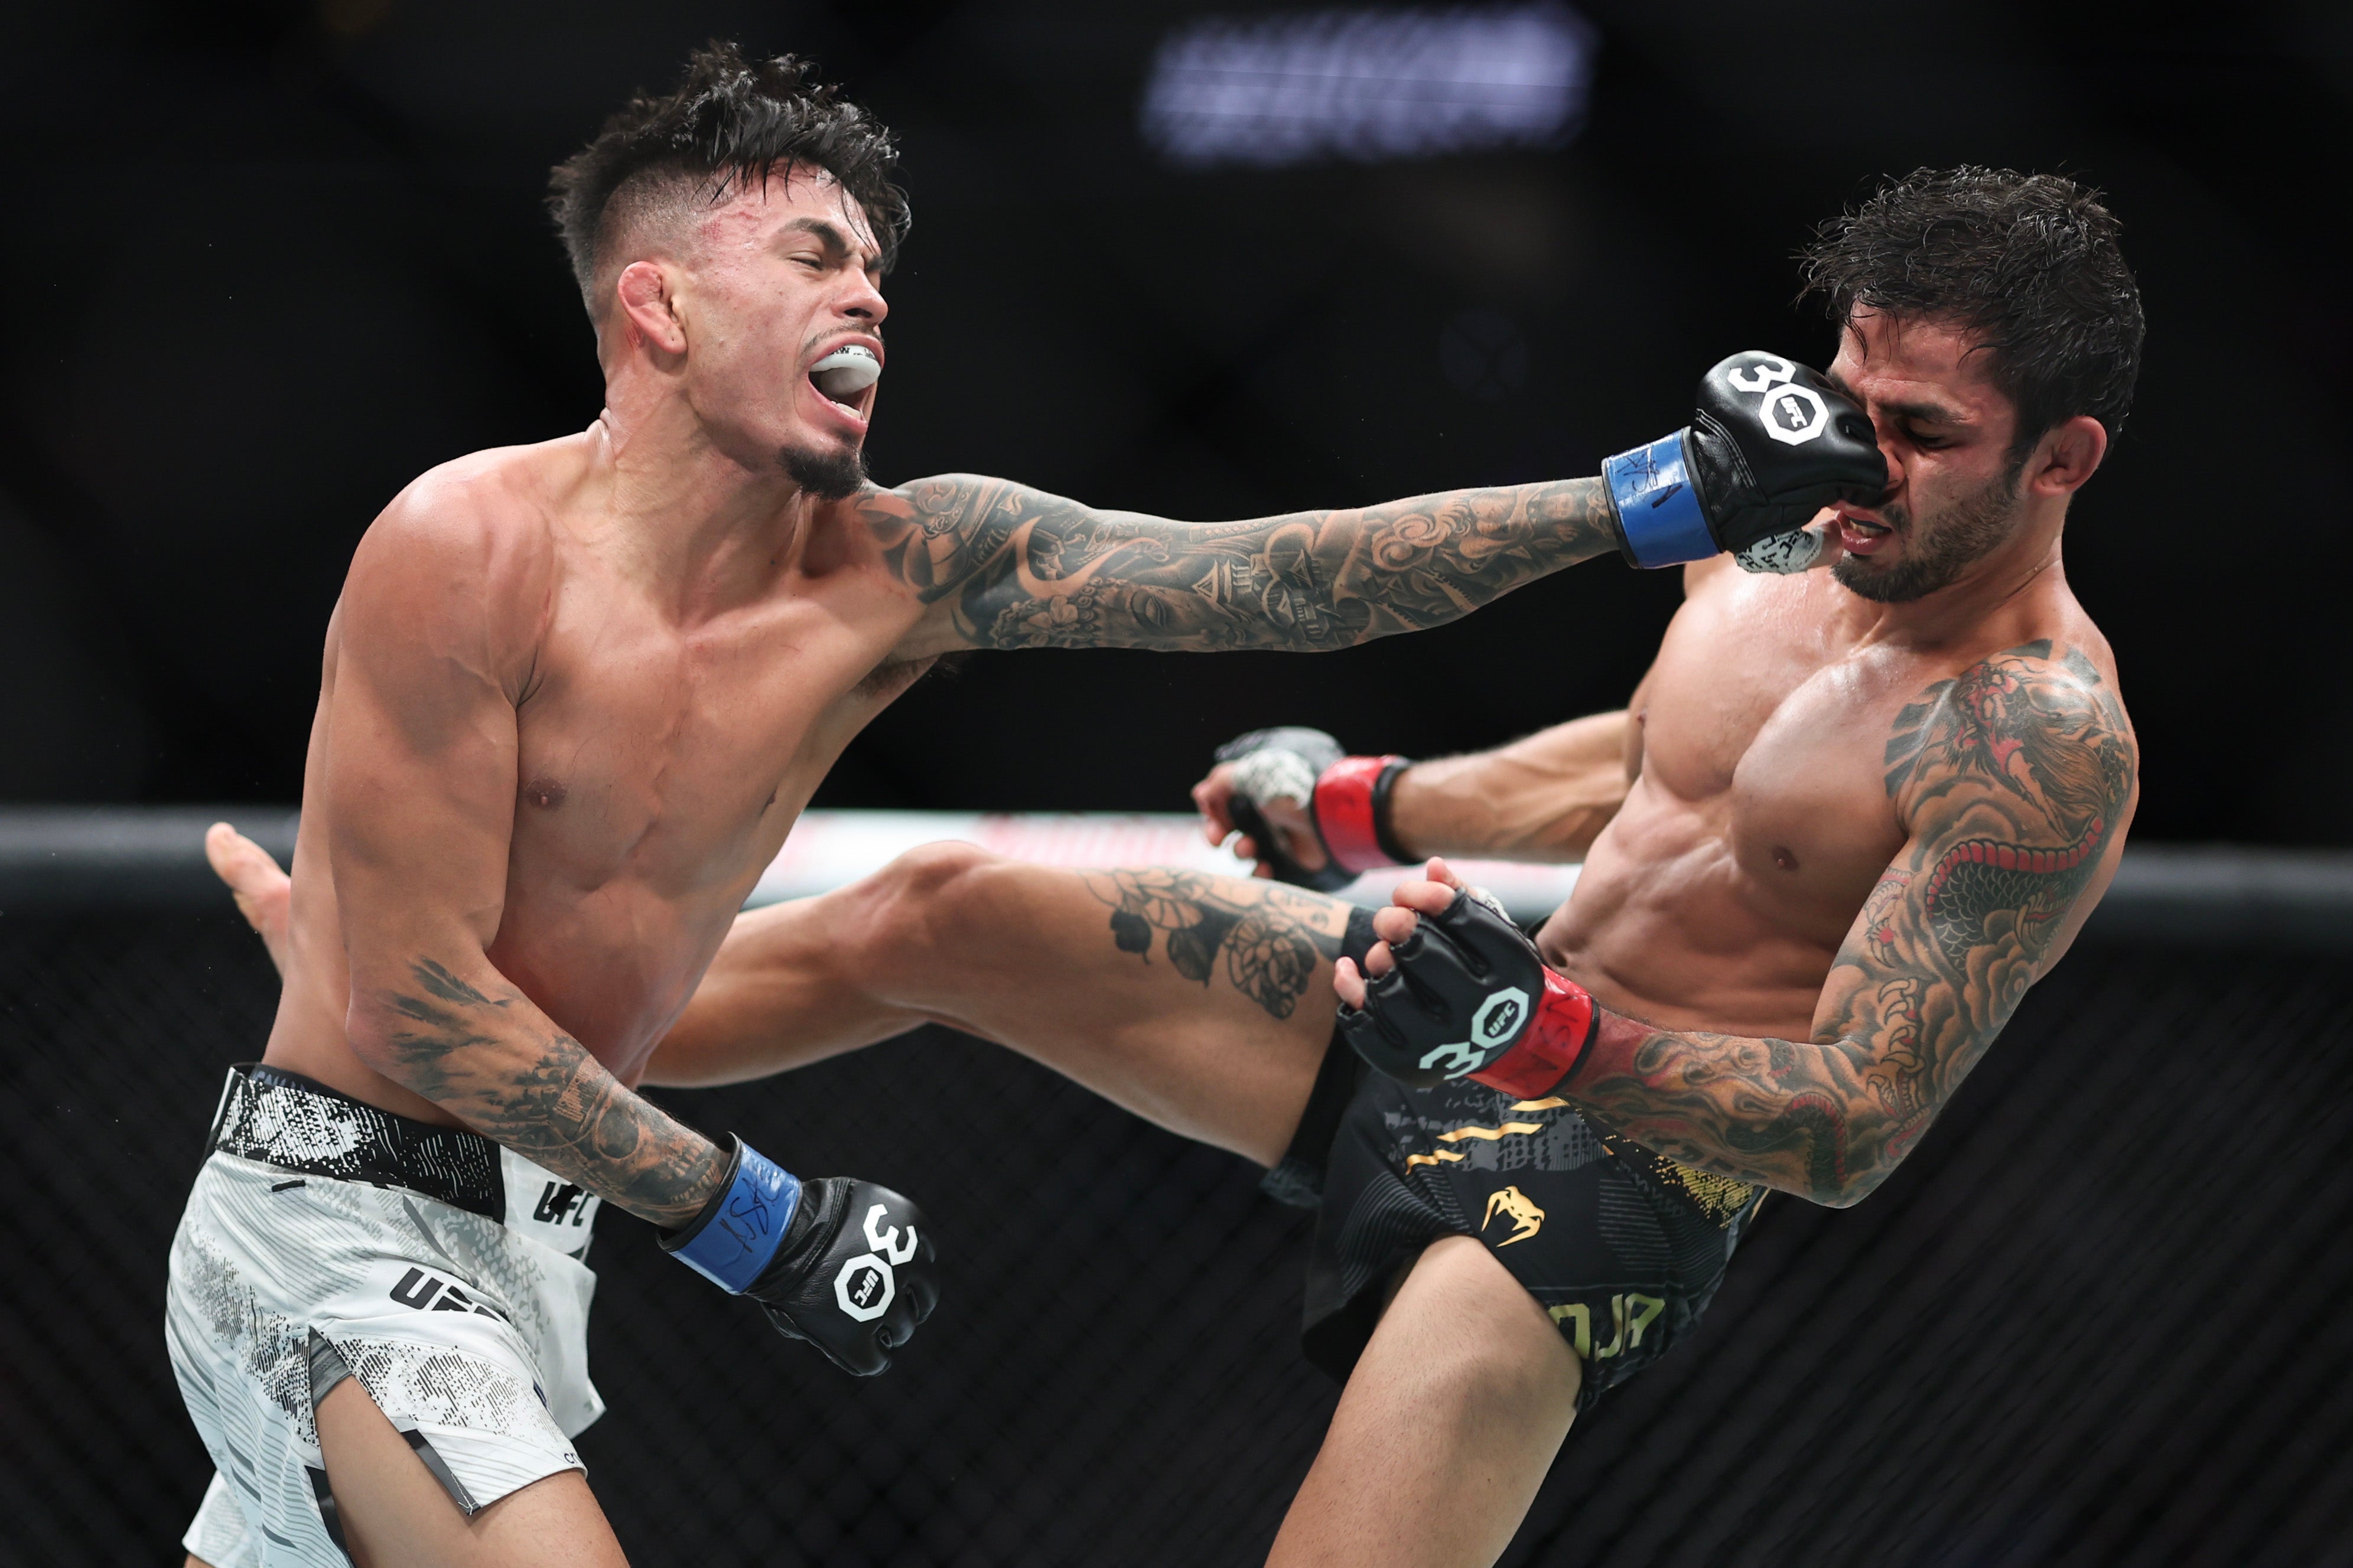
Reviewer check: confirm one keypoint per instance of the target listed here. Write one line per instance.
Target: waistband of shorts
(297, 1124)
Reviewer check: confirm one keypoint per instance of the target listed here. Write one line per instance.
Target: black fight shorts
(1623, 1248)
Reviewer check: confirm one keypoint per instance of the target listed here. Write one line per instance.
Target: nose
(862, 300)
(1889, 453)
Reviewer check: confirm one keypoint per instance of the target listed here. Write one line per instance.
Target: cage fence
(2097, 1318)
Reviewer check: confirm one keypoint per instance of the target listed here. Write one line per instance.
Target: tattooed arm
(1002, 566)
(2016, 780)
(424, 678)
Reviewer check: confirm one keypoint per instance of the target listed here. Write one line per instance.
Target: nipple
(1783, 859)
(544, 793)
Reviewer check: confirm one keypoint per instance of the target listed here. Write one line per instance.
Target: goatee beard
(1939, 551)
(829, 476)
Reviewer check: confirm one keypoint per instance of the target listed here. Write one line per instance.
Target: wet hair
(730, 122)
(2027, 263)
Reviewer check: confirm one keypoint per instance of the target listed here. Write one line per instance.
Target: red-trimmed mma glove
(1470, 998)
(842, 1263)
(1772, 443)
(1346, 800)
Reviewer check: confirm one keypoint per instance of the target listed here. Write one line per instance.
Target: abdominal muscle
(612, 967)
(1665, 927)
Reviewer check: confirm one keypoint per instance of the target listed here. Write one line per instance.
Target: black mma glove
(1771, 445)
(1470, 998)
(1346, 800)
(841, 1263)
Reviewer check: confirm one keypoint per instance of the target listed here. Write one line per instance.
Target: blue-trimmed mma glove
(1771, 445)
(841, 1263)
(1471, 997)
(1347, 802)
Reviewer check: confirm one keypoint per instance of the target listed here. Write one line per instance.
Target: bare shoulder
(468, 547)
(2036, 730)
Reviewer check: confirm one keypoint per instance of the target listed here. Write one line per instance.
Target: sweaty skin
(1826, 852)
(1850, 849)
(575, 694)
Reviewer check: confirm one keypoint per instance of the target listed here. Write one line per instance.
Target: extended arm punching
(1003, 566)
(2016, 778)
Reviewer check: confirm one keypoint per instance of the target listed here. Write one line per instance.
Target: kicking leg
(1446, 1428)
(1201, 1003)
(393, 1514)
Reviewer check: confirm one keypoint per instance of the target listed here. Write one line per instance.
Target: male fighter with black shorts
(1847, 820)
(573, 697)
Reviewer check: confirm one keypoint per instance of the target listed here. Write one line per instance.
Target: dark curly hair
(729, 119)
(2028, 263)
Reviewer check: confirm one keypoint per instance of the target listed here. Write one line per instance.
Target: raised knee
(909, 903)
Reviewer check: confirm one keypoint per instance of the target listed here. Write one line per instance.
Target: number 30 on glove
(844, 1264)
(1470, 998)
(1771, 443)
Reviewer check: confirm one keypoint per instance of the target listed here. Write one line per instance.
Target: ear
(2067, 454)
(647, 308)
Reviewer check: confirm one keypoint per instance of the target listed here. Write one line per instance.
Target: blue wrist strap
(742, 1231)
(1657, 511)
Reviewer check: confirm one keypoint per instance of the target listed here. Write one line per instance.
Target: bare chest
(676, 757)
(1766, 739)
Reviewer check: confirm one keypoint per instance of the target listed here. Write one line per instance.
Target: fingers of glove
(1273, 847)
(1209, 798)
(1372, 1036)
(1479, 928)
(857, 1354)
(1440, 980)
(1348, 982)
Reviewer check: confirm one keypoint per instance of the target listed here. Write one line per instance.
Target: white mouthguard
(847, 371)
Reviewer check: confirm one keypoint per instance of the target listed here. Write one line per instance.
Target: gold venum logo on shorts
(1631, 1312)
(1519, 1209)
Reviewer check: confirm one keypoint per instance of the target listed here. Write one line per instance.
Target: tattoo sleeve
(1014, 567)
(500, 1064)
(1265, 937)
(2015, 779)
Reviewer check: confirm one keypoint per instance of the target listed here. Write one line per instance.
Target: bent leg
(1201, 1003)
(1447, 1426)
(394, 1513)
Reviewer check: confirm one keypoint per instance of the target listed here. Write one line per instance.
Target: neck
(2008, 591)
(700, 526)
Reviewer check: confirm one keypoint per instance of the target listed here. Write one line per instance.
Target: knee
(905, 913)
(1487, 1344)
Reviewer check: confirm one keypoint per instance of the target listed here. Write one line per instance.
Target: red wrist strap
(1344, 812)
(1557, 1041)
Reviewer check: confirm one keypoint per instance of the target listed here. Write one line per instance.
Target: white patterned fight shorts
(326, 1239)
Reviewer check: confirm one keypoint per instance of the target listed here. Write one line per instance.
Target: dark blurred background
(269, 262)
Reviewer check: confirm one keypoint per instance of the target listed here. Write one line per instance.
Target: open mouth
(845, 376)
(1860, 535)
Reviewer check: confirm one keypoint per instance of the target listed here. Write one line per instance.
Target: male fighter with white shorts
(1848, 818)
(574, 696)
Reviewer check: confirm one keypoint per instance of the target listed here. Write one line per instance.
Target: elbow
(376, 1042)
(1846, 1188)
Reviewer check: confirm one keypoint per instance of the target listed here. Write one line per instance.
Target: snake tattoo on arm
(2015, 779)
(1017, 568)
